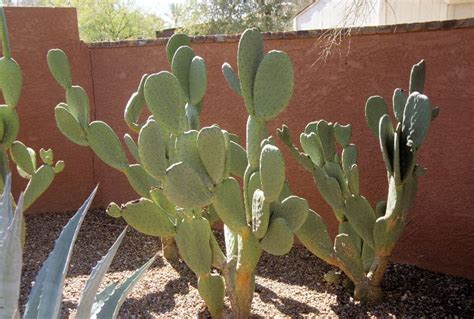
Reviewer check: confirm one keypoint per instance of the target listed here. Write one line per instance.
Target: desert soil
(290, 286)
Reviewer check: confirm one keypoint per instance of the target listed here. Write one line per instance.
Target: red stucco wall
(33, 31)
(440, 232)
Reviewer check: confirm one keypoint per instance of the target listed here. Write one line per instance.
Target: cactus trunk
(170, 250)
(245, 287)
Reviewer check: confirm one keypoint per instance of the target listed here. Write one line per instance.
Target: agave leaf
(45, 297)
(111, 305)
(6, 206)
(84, 308)
(11, 259)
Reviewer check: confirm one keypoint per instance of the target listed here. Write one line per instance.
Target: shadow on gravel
(285, 305)
(414, 292)
(301, 268)
(162, 301)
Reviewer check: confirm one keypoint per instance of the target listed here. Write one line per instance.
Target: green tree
(111, 20)
(227, 17)
(177, 13)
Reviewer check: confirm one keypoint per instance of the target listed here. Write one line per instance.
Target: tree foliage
(111, 20)
(227, 17)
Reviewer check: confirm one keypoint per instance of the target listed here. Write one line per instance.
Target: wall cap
(385, 29)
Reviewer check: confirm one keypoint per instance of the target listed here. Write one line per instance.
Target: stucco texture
(439, 235)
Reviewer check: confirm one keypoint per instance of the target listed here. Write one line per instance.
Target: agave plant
(45, 297)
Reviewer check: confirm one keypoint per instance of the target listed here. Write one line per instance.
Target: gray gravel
(290, 286)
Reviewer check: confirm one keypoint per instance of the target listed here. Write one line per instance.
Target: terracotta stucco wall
(439, 235)
(33, 31)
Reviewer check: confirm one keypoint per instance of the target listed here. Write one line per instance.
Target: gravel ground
(290, 286)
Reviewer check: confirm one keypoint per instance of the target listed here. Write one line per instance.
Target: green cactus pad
(187, 151)
(238, 159)
(218, 257)
(375, 108)
(11, 125)
(417, 77)
(158, 196)
(106, 145)
(326, 135)
(181, 66)
(249, 56)
(272, 172)
(335, 171)
(152, 149)
(386, 141)
(139, 180)
(294, 210)
(314, 236)
(311, 145)
(148, 218)
(367, 257)
(21, 157)
(260, 214)
(362, 217)
(229, 205)
(231, 78)
(114, 210)
(132, 147)
(59, 167)
(69, 126)
(273, 86)
(176, 41)
(346, 228)
(135, 105)
(343, 134)
(46, 156)
(349, 157)
(2, 127)
(193, 240)
(212, 151)
(349, 254)
(416, 120)
(78, 103)
(353, 180)
(38, 184)
(380, 209)
(197, 80)
(59, 66)
(399, 101)
(184, 187)
(256, 132)
(211, 289)
(389, 227)
(329, 188)
(166, 101)
(249, 252)
(11, 81)
(4, 34)
(279, 238)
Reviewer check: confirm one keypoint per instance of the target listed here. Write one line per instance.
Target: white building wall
(325, 14)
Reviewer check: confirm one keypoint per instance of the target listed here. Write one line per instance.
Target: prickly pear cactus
(185, 174)
(40, 171)
(366, 236)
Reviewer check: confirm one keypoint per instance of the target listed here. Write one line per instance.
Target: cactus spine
(366, 236)
(39, 172)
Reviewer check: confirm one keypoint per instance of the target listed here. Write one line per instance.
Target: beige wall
(439, 234)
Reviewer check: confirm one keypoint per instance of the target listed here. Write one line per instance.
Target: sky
(159, 7)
